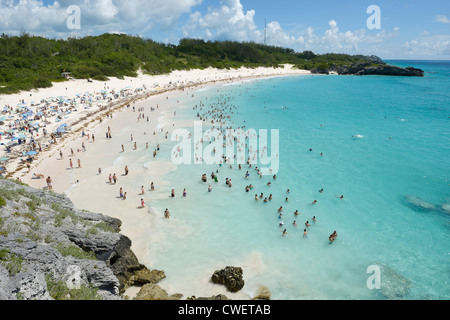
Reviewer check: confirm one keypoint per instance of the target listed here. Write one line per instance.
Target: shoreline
(65, 180)
(83, 119)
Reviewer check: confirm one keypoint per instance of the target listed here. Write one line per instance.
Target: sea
(367, 157)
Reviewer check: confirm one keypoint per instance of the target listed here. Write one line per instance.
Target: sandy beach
(83, 158)
(77, 103)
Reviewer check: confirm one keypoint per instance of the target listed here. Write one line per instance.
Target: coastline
(65, 179)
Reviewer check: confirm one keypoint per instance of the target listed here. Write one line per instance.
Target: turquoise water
(386, 149)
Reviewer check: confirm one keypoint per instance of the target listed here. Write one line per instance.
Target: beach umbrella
(4, 159)
(31, 153)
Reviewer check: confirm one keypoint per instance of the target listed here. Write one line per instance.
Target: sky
(390, 29)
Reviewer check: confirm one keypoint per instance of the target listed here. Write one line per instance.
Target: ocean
(378, 146)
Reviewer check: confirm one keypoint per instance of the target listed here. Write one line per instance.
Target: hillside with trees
(30, 62)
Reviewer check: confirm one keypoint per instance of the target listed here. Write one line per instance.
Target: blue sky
(410, 29)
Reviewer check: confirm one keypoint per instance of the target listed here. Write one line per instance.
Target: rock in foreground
(231, 277)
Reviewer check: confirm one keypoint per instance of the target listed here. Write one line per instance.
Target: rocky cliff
(51, 250)
(371, 68)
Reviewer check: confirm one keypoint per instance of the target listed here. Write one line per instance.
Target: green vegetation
(11, 261)
(28, 62)
(74, 251)
(2, 202)
(60, 291)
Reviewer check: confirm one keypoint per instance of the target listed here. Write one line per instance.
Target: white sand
(146, 84)
(90, 190)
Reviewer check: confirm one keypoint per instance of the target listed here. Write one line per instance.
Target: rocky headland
(376, 67)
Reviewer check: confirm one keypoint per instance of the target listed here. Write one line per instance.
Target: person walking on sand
(126, 170)
(79, 163)
(142, 190)
(49, 183)
(142, 203)
(71, 164)
(167, 214)
(114, 178)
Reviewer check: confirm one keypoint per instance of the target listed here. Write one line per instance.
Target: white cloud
(228, 22)
(231, 22)
(431, 46)
(97, 16)
(442, 19)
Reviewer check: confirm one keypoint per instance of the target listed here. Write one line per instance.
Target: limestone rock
(231, 277)
(263, 294)
(154, 292)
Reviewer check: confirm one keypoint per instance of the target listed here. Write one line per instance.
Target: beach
(367, 168)
(76, 103)
(83, 159)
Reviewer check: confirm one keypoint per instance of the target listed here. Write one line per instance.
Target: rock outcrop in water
(47, 245)
(231, 277)
(369, 68)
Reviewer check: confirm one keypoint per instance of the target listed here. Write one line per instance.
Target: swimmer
(209, 188)
(284, 232)
(296, 213)
(342, 197)
(314, 219)
(152, 186)
(294, 223)
(314, 202)
(184, 193)
(321, 190)
(305, 234)
(286, 200)
(307, 224)
(256, 197)
(173, 193)
(280, 209)
(167, 214)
